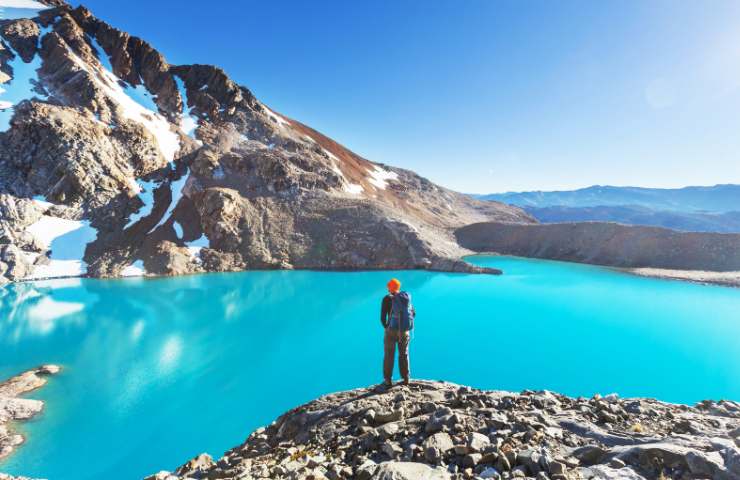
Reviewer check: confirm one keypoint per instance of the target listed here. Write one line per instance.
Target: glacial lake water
(159, 370)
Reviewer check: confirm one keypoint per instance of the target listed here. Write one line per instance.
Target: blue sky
(483, 95)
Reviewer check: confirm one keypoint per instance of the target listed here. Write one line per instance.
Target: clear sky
(484, 95)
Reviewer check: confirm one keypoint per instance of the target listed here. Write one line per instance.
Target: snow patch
(146, 194)
(331, 155)
(22, 4)
(195, 246)
(379, 177)
(281, 121)
(102, 56)
(15, 9)
(353, 188)
(67, 240)
(188, 121)
(178, 229)
(19, 88)
(136, 269)
(176, 188)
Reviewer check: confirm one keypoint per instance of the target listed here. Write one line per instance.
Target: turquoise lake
(159, 370)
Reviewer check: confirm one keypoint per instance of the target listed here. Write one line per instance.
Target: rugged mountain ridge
(114, 162)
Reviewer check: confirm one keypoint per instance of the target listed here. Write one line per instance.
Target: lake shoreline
(14, 408)
(702, 277)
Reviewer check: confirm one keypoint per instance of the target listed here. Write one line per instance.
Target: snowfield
(67, 240)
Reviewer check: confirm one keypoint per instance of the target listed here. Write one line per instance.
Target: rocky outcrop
(434, 430)
(181, 170)
(14, 408)
(609, 244)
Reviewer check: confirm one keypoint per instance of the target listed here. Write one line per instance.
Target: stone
(589, 454)
(389, 416)
(439, 419)
(196, 466)
(471, 460)
(603, 472)
(490, 472)
(388, 430)
(409, 471)
(461, 449)
(392, 449)
(557, 468)
(529, 458)
(477, 442)
(437, 445)
(519, 472)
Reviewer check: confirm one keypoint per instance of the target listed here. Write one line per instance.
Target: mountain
(727, 222)
(114, 162)
(716, 199)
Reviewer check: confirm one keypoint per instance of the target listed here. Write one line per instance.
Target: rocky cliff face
(433, 430)
(114, 162)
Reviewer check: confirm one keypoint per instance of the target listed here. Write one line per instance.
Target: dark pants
(393, 337)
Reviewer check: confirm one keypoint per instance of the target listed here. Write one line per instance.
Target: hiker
(397, 317)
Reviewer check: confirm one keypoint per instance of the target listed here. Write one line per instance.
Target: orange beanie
(394, 285)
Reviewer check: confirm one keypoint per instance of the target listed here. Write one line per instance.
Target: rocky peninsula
(15, 408)
(437, 430)
(648, 251)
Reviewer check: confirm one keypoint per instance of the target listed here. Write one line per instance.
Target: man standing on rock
(397, 317)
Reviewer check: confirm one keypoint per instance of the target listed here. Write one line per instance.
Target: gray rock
(14, 408)
(409, 471)
(436, 446)
(490, 472)
(529, 458)
(477, 442)
(471, 460)
(603, 472)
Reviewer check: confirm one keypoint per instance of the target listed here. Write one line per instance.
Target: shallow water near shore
(159, 370)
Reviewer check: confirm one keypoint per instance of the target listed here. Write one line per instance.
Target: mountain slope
(113, 162)
(717, 199)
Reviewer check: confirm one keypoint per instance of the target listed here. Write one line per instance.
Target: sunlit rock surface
(435, 430)
(15, 408)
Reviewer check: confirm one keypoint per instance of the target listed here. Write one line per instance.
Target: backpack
(402, 312)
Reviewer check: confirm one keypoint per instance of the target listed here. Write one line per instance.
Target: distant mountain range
(716, 199)
(700, 209)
